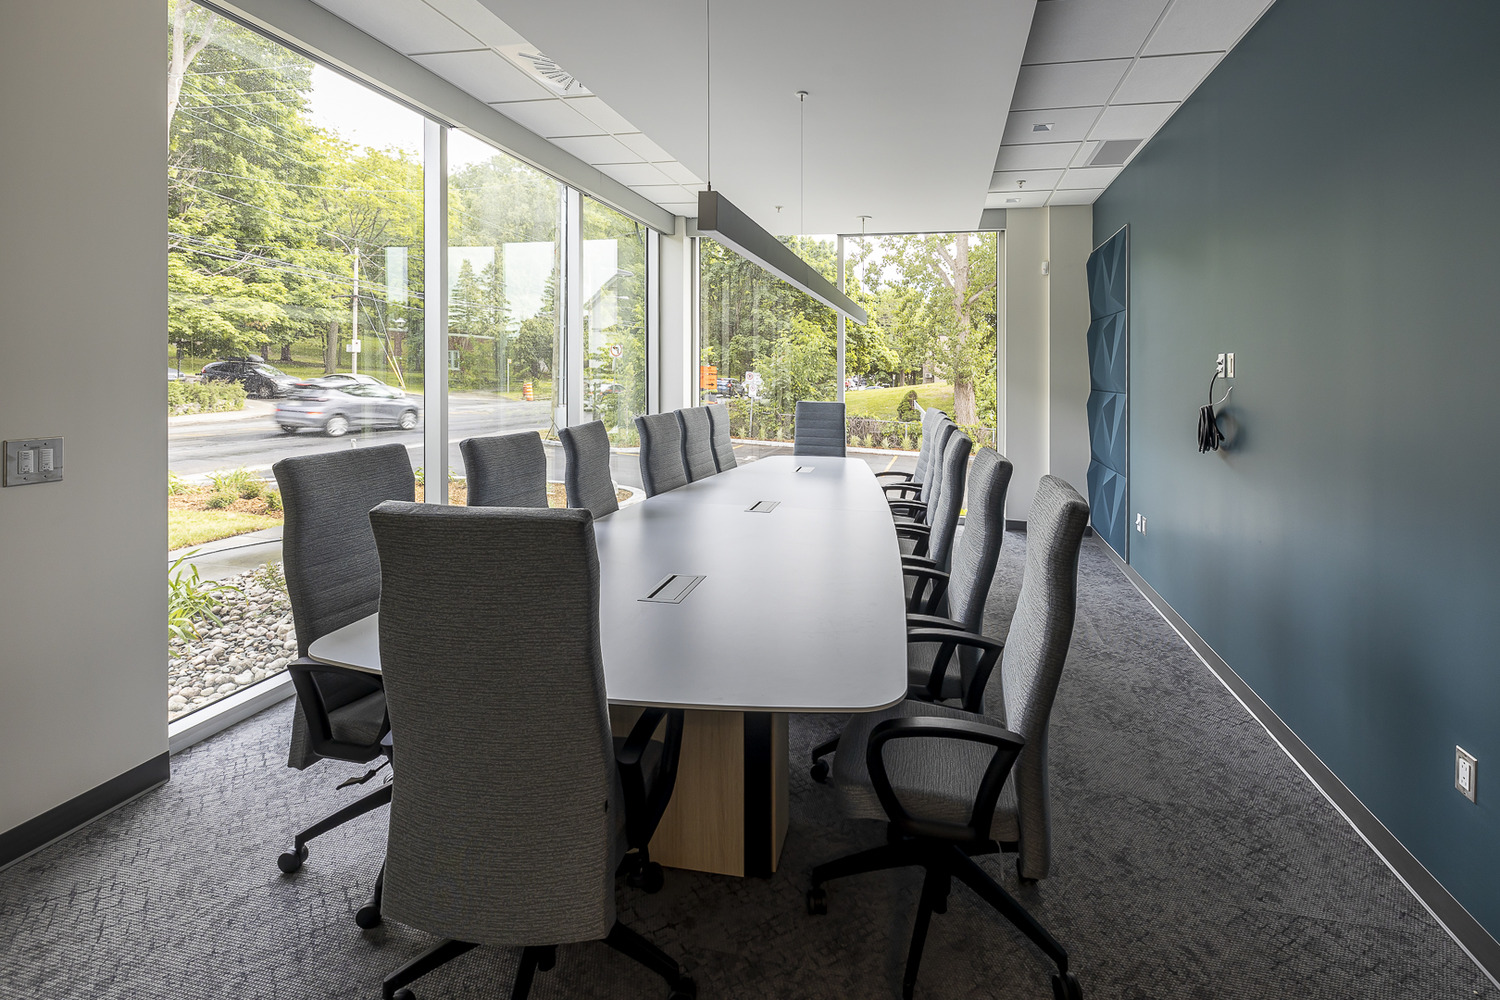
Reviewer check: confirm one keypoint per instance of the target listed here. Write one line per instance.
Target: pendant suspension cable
(801, 163)
(708, 101)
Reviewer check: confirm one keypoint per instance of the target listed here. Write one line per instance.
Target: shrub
(273, 500)
(204, 397)
(252, 489)
(191, 601)
(219, 501)
(907, 408)
(234, 482)
(176, 484)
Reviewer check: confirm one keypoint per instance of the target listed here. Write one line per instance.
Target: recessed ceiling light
(1042, 127)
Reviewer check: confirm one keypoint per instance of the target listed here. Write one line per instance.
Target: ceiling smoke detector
(544, 70)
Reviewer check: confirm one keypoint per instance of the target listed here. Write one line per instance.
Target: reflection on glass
(765, 345)
(294, 267)
(614, 321)
(505, 333)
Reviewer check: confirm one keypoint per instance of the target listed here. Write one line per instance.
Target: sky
(360, 115)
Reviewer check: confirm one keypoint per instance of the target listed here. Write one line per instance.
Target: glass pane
(930, 340)
(294, 225)
(614, 329)
(505, 335)
(765, 345)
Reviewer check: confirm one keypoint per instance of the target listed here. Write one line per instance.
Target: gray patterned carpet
(1194, 860)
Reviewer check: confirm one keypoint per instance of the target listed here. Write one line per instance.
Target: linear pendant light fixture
(730, 227)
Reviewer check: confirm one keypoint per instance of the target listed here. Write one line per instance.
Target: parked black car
(258, 378)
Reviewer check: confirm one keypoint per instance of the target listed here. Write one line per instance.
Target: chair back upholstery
(820, 429)
(932, 486)
(697, 442)
(1035, 649)
(943, 519)
(331, 566)
(718, 419)
(502, 825)
(506, 470)
(586, 472)
(661, 453)
(931, 418)
(977, 550)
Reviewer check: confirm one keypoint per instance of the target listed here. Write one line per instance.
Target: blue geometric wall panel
(1109, 390)
(1108, 353)
(1109, 429)
(1108, 504)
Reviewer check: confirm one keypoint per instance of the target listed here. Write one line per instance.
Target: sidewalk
(228, 556)
(255, 409)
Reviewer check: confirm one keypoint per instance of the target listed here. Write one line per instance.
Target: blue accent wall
(1327, 206)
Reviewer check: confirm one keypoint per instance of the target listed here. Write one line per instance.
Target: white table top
(801, 609)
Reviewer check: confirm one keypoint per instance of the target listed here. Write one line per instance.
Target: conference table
(767, 589)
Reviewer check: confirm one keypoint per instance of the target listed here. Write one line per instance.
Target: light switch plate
(37, 452)
(1466, 773)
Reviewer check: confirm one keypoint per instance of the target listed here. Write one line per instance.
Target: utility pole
(354, 320)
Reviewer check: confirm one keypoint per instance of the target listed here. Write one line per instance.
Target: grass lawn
(187, 527)
(882, 403)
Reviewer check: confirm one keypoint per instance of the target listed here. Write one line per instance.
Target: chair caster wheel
(1065, 987)
(817, 901)
(290, 861)
(648, 877)
(685, 989)
(403, 994)
(367, 917)
(819, 772)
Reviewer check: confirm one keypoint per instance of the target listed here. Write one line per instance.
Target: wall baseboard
(1450, 914)
(56, 823)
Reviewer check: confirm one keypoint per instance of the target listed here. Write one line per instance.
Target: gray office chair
(586, 472)
(932, 541)
(697, 443)
(820, 429)
(485, 661)
(950, 599)
(911, 501)
(332, 579)
(505, 470)
(661, 453)
(923, 767)
(931, 417)
(718, 418)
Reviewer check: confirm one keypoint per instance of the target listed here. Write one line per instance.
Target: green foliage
(204, 397)
(234, 482)
(219, 501)
(269, 575)
(190, 600)
(252, 489)
(907, 408)
(176, 484)
(273, 500)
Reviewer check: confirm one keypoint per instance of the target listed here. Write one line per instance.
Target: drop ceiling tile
(644, 147)
(601, 114)
(1068, 124)
(1165, 78)
(1007, 199)
(1067, 85)
(597, 149)
(1075, 197)
(679, 173)
(483, 74)
(477, 19)
(1073, 30)
(635, 173)
(687, 209)
(404, 25)
(1131, 121)
(1036, 156)
(659, 193)
(1024, 180)
(549, 119)
(1088, 177)
(1205, 25)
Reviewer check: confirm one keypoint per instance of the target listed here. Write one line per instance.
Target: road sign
(615, 350)
(353, 347)
(752, 384)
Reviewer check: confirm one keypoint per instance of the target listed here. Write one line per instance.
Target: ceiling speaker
(1113, 152)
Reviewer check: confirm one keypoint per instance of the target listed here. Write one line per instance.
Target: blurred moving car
(336, 409)
(596, 393)
(259, 379)
(341, 379)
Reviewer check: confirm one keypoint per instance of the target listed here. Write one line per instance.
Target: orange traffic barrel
(526, 392)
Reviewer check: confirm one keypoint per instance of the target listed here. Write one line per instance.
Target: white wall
(1044, 350)
(83, 659)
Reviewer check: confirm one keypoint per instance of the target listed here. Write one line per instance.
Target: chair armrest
(934, 621)
(644, 806)
(314, 705)
(904, 489)
(978, 730)
(919, 533)
(907, 476)
(909, 508)
(948, 641)
(933, 580)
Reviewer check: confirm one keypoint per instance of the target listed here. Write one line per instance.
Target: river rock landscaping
(254, 641)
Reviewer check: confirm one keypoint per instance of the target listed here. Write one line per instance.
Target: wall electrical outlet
(1140, 523)
(1465, 773)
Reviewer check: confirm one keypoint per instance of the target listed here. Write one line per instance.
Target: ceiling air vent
(1113, 152)
(544, 70)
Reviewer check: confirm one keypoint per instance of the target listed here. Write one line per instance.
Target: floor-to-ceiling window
(613, 315)
(507, 344)
(295, 324)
